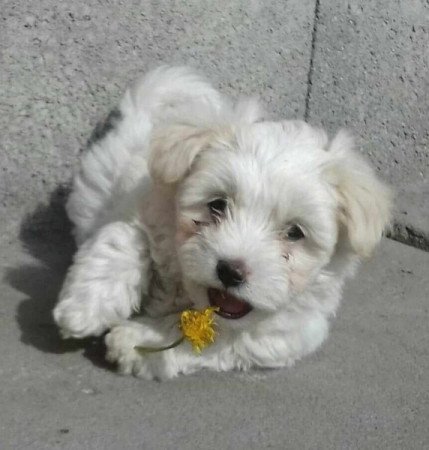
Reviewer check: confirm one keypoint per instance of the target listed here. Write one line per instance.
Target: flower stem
(144, 350)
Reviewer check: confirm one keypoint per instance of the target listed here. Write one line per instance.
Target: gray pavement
(363, 65)
(367, 388)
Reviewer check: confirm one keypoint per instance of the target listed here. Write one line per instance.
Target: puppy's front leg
(150, 332)
(105, 282)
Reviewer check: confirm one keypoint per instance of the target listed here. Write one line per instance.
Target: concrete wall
(370, 74)
(362, 65)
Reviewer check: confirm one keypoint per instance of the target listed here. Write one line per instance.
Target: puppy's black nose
(231, 273)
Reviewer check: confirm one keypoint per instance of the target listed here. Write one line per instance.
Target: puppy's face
(258, 217)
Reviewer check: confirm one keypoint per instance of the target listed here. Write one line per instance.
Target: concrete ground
(359, 64)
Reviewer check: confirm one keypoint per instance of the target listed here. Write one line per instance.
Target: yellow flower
(198, 327)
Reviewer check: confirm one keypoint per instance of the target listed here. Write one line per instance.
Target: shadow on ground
(46, 235)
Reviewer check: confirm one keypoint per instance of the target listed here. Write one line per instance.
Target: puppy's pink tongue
(230, 307)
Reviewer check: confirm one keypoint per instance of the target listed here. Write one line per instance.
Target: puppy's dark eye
(217, 207)
(294, 233)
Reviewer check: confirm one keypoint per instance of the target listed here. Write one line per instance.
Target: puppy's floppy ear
(173, 150)
(364, 201)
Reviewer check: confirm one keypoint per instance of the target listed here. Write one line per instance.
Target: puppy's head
(264, 209)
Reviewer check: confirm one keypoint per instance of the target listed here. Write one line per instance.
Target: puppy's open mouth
(230, 307)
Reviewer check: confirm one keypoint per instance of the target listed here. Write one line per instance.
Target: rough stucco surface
(370, 74)
(66, 64)
(63, 67)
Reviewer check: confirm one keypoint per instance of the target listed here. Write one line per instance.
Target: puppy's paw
(76, 321)
(121, 342)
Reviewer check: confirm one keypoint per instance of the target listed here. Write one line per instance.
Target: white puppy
(191, 201)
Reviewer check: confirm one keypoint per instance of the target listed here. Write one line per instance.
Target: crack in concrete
(407, 234)
(312, 53)
(404, 233)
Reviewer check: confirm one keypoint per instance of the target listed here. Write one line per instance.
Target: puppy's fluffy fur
(148, 238)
